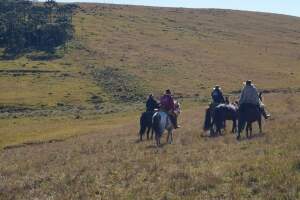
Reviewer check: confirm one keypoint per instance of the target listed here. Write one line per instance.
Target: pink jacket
(167, 102)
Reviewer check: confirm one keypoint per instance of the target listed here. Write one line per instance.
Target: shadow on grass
(153, 146)
(144, 140)
(244, 138)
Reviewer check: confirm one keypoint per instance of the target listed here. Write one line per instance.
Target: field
(68, 126)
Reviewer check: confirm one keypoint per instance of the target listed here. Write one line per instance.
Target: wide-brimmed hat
(248, 82)
(217, 87)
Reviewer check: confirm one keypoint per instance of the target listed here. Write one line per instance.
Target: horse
(161, 121)
(249, 113)
(215, 119)
(146, 124)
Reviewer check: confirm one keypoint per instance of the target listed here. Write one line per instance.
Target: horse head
(177, 107)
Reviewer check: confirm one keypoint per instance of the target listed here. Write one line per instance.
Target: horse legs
(152, 132)
(212, 128)
(142, 131)
(170, 137)
(247, 129)
(148, 131)
(241, 126)
(157, 138)
(260, 126)
(233, 126)
(218, 131)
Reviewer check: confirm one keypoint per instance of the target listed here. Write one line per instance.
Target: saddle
(248, 106)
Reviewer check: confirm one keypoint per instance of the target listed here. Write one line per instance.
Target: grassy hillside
(121, 53)
(97, 87)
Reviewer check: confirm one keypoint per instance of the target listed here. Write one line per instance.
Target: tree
(25, 26)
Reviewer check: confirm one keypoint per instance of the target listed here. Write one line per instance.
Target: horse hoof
(238, 137)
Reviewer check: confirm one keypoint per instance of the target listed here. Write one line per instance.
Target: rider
(250, 95)
(151, 104)
(167, 104)
(217, 95)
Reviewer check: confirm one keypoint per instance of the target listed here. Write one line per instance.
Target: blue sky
(289, 7)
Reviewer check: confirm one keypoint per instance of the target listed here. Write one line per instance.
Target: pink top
(167, 102)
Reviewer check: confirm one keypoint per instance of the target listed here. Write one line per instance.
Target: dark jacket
(151, 104)
(217, 96)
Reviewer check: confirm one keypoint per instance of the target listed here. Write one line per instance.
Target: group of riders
(249, 95)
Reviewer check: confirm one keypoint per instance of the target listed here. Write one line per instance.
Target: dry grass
(110, 164)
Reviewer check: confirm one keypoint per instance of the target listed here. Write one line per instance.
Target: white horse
(161, 122)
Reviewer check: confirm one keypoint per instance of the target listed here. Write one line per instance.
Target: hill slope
(121, 53)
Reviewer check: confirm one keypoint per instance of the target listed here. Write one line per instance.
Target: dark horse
(249, 113)
(215, 119)
(146, 124)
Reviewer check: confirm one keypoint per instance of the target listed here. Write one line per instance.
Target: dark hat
(168, 91)
(217, 87)
(248, 82)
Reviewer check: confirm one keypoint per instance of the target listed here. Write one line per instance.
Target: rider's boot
(174, 121)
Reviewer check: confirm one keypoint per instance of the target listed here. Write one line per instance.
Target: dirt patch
(32, 143)
(22, 72)
(14, 109)
(121, 85)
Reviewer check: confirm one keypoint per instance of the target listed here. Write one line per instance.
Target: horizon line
(179, 7)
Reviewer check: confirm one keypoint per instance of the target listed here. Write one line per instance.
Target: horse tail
(143, 124)
(156, 124)
(207, 121)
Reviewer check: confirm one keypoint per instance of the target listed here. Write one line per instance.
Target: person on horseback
(249, 95)
(167, 104)
(217, 95)
(217, 98)
(151, 104)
